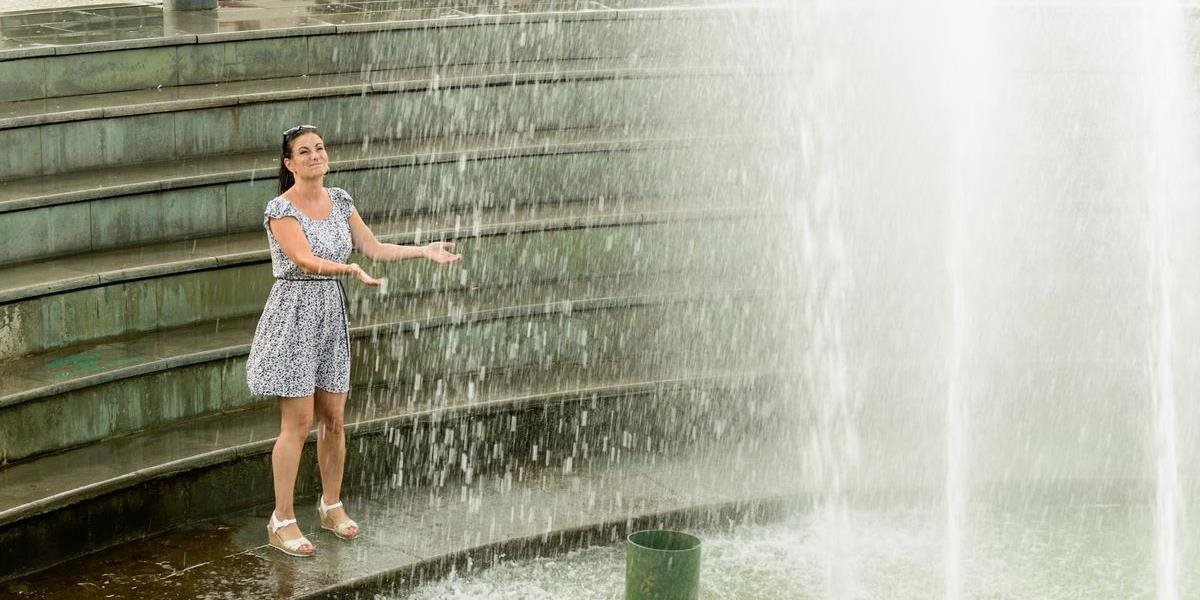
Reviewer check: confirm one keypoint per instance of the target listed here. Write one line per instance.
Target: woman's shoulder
(343, 204)
(279, 207)
(338, 194)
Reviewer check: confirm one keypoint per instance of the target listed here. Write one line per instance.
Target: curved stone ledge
(179, 492)
(160, 392)
(374, 22)
(24, 194)
(233, 337)
(28, 282)
(759, 506)
(373, 119)
(31, 113)
(82, 308)
(359, 422)
(218, 57)
(101, 221)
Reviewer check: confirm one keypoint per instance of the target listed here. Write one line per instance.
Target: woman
(301, 349)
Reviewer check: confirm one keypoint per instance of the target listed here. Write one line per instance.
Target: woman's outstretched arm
(291, 240)
(365, 242)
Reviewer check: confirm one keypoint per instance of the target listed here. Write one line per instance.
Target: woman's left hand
(440, 252)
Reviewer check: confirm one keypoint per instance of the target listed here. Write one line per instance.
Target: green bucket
(662, 565)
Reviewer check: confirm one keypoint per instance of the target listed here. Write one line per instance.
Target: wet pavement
(405, 527)
(417, 530)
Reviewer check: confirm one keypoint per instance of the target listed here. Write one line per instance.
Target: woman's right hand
(362, 276)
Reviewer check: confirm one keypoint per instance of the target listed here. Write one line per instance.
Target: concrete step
(40, 61)
(73, 272)
(134, 487)
(467, 103)
(90, 393)
(60, 371)
(89, 107)
(145, 204)
(70, 476)
(106, 295)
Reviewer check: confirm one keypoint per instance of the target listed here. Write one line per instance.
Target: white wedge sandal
(338, 529)
(289, 547)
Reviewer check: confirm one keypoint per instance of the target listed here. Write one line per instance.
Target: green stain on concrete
(92, 361)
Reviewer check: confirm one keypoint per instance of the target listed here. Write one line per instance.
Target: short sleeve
(278, 208)
(341, 198)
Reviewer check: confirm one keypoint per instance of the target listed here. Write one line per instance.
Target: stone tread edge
(317, 28)
(386, 86)
(28, 292)
(770, 506)
(361, 428)
(359, 331)
(426, 151)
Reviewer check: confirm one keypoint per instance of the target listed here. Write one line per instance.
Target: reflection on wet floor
(83, 25)
(143, 20)
(407, 525)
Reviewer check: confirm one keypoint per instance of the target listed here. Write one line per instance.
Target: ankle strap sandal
(289, 547)
(341, 529)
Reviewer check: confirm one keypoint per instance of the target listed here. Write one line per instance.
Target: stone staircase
(567, 148)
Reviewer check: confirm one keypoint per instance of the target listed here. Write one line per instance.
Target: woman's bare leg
(331, 448)
(295, 421)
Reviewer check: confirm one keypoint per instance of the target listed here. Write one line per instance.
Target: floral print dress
(302, 340)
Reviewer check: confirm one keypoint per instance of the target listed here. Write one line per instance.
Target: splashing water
(994, 211)
(1170, 156)
(1055, 555)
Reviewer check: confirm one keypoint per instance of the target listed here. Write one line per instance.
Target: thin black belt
(337, 281)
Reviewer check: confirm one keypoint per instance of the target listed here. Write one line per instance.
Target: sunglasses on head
(298, 129)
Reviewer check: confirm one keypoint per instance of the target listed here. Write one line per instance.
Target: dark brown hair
(286, 178)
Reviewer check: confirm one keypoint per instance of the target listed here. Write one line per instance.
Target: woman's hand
(439, 252)
(362, 276)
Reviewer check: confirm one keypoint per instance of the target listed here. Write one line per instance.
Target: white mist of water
(1170, 157)
(870, 100)
(993, 191)
(968, 72)
(832, 453)
(1168, 493)
(834, 445)
(956, 436)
